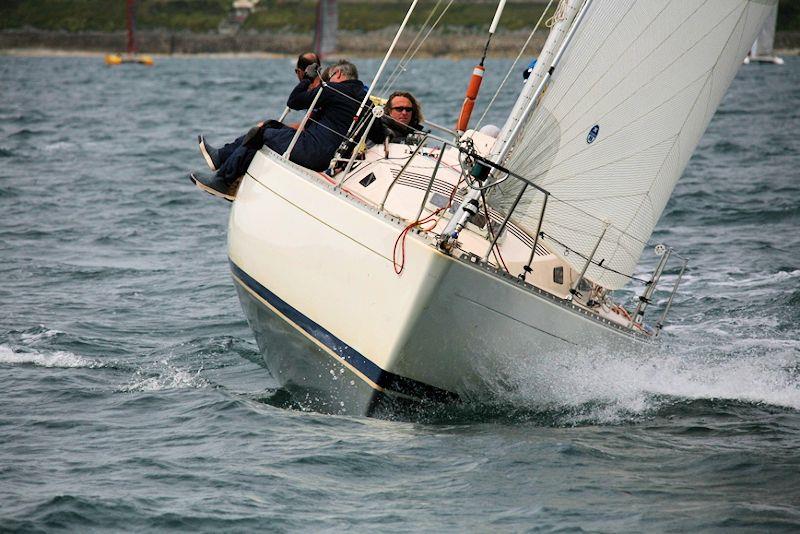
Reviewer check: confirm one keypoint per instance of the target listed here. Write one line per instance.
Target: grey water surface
(129, 400)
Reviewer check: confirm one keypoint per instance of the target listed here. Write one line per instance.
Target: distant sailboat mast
(130, 23)
(326, 28)
(131, 54)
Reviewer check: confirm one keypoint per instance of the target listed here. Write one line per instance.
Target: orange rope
(401, 240)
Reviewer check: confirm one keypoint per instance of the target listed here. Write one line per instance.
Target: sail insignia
(593, 134)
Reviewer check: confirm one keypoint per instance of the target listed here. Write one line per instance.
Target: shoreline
(451, 44)
(54, 52)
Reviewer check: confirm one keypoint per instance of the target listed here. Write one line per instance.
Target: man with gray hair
(317, 143)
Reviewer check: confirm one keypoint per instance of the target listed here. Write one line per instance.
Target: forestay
(625, 108)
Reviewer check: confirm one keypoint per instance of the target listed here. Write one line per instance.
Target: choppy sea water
(129, 399)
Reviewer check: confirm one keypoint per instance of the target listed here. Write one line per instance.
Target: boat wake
(592, 388)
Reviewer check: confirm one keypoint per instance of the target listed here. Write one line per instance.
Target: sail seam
(572, 85)
(622, 158)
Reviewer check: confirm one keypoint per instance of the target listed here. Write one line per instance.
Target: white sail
(623, 112)
(766, 38)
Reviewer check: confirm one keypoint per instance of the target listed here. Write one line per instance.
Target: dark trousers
(237, 155)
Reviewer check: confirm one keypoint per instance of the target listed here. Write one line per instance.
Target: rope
(552, 196)
(508, 173)
(326, 85)
(558, 15)
(401, 239)
(343, 136)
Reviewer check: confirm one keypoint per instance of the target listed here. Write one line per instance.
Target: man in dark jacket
(316, 144)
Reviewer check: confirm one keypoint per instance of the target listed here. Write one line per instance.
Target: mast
(130, 23)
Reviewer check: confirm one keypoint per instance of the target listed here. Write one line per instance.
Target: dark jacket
(326, 129)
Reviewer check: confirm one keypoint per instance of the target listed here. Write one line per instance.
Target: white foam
(167, 378)
(58, 358)
(31, 339)
(59, 146)
(754, 280)
(616, 386)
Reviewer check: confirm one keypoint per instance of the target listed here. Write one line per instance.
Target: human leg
(236, 163)
(226, 150)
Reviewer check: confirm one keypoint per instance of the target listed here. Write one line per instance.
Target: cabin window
(558, 275)
(368, 179)
(440, 201)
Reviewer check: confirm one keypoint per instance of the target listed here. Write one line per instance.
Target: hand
(312, 71)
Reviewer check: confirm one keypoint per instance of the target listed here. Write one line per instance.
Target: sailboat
(131, 54)
(432, 271)
(762, 50)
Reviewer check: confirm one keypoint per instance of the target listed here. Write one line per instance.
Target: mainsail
(625, 108)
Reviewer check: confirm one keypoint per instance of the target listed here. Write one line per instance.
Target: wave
(59, 358)
(768, 281)
(614, 388)
(60, 146)
(165, 378)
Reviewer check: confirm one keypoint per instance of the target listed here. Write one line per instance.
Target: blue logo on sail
(593, 134)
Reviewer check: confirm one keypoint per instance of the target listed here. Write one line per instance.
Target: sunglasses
(403, 108)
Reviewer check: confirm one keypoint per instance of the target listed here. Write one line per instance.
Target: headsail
(625, 109)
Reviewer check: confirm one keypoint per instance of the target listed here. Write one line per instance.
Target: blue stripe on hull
(384, 379)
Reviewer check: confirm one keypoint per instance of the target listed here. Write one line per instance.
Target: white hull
(314, 271)
(774, 60)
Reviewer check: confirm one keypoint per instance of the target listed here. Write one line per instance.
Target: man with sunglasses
(402, 117)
